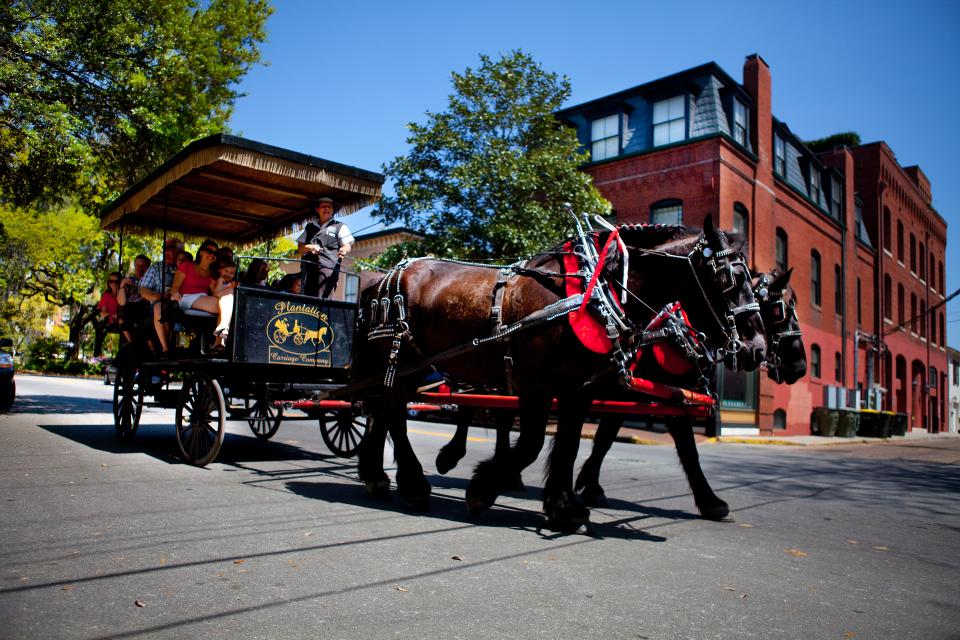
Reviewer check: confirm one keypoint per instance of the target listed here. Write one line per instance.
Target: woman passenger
(191, 282)
(108, 305)
(256, 274)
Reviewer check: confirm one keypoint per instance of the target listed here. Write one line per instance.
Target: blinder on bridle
(723, 266)
(782, 313)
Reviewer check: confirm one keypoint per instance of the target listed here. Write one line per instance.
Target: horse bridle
(782, 315)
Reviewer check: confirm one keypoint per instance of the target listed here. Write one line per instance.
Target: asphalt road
(103, 540)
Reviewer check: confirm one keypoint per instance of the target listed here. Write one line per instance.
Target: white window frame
(605, 137)
(669, 120)
(814, 184)
(739, 128)
(779, 156)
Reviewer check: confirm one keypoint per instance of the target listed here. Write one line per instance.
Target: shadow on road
(61, 405)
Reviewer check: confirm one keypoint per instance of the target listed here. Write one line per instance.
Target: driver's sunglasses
(112, 281)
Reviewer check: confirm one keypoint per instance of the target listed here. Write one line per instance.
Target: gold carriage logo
(299, 334)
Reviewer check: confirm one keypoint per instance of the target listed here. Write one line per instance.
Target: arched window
(901, 309)
(837, 291)
(741, 219)
(933, 272)
(782, 250)
(913, 253)
(815, 361)
(837, 373)
(900, 241)
(667, 212)
(922, 263)
(779, 419)
(815, 297)
(943, 288)
(913, 312)
(943, 332)
(886, 229)
(887, 297)
(923, 319)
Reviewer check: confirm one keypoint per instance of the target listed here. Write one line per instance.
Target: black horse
(786, 363)
(425, 310)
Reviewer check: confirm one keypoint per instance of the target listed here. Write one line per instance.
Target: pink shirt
(193, 281)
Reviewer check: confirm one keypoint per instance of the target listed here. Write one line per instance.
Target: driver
(321, 248)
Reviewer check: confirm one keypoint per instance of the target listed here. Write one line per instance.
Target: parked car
(8, 387)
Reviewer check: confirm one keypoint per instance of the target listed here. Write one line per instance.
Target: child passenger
(222, 288)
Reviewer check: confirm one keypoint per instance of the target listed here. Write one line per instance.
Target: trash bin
(870, 424)
(898, 426)
(825, 421)
(885, 425)
(848, 423)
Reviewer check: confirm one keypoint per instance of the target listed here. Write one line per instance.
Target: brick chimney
(756, 80)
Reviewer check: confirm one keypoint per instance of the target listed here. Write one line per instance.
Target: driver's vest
(326, 236)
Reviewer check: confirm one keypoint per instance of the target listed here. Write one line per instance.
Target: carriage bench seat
(199, 323)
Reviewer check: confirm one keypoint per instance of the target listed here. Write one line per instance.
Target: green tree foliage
(95, 94)
(847, 138)
(489, 176)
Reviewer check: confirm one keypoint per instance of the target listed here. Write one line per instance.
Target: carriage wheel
(265, 416)
(127, 396)
(298, 339)
(279, 337)
(343, 431)
(201, 420)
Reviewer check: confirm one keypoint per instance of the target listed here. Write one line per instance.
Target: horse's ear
(781, 281)
(710, 233)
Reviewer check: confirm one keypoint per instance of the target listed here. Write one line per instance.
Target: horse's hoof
(594, 496)
(418, 502)
(581, 526)
(478, 501)
(717, 511)
(447, 460)
(378, 489)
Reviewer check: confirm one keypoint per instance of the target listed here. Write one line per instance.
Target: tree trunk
(77, 322)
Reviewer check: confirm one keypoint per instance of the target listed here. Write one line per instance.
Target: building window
(900, 241)
(782, 250)
(351, 288)
(922, 263)
(669, 121)
(859, 295)
(913, 312)
(739, 122)
(836, 367)
(887, 298)
(837, 291)
(815, 361)
(814, 184)
(943, 332)
(815, 296)
(779, 419)
(933, 326)
(901, 311)
(913, 253)
(737, 389)
(887, 231)
(605, 138)
(923, 319)
(667, 212)
(956, 372)
(779, 156)
(741, 219)
(942, 287)
(836, 200)
(933, 272)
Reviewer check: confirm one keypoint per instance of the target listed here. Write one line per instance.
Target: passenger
(184, 256)
(256, 274)
(321, 248)
(155, 288)
(290, 283)
(134, 308)
(222, 289)
(191, 284)
(108, 305)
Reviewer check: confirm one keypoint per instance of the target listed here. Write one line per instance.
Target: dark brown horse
(428, 308)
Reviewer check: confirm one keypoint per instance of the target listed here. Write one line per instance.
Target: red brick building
(859, 231)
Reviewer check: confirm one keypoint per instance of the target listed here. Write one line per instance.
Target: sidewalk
(662, 437)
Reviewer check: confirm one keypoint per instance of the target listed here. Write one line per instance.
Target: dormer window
(814, 184)
(779, 156)
(739, 129)
(669, 121)
(836, 199)
(605, 138)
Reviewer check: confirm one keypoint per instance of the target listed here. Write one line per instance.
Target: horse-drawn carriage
(576, 329)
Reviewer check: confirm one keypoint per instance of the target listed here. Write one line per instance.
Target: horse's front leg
(710, 506)
(588, 481)
(370, 454)
(495, 475)
(452, 452)
(411, 484)
(564, 509)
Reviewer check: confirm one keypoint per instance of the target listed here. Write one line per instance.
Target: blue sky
(343, 79)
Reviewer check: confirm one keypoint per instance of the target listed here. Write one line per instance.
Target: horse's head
(786, 357)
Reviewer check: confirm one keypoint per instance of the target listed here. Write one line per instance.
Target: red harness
(665, 354)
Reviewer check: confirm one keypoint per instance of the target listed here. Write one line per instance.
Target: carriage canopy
(228, 188)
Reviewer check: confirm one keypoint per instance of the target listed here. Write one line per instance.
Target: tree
(95, 94)
(488, 177)
(847, 138)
